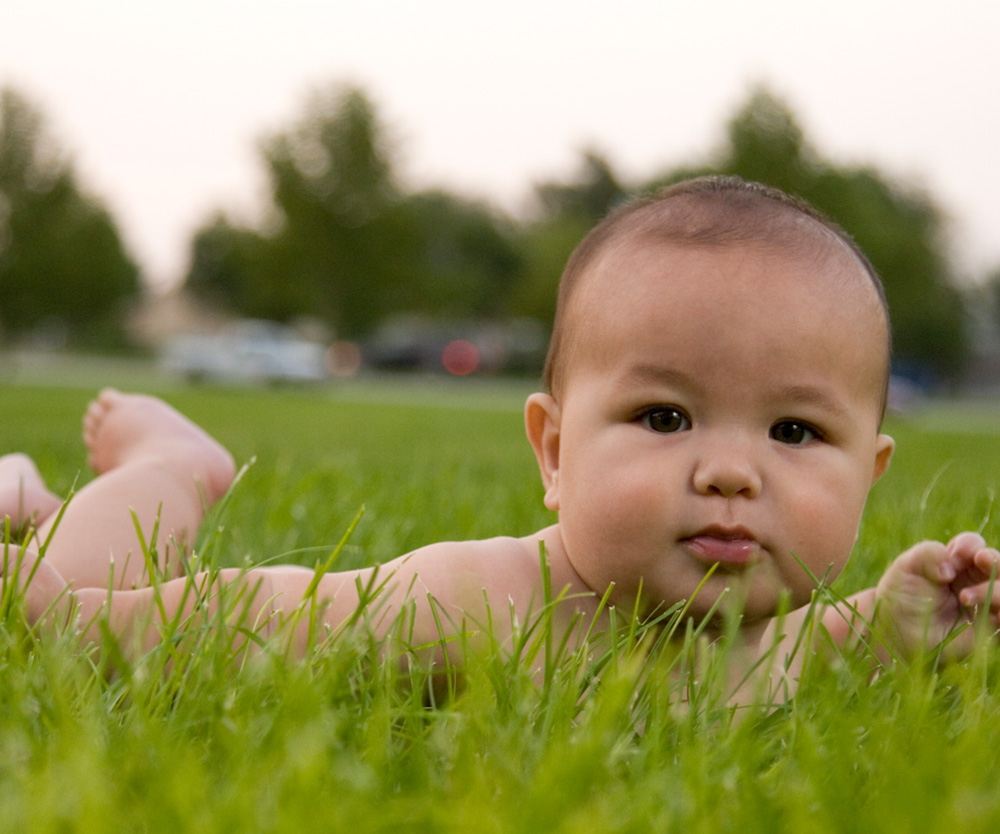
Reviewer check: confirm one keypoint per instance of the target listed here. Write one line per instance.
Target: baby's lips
(724, 550)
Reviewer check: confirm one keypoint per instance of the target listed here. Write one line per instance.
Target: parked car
(248, 351)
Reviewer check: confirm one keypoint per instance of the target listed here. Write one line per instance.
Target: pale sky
(162, 105)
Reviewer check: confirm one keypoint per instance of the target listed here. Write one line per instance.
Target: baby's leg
(23, 494)
(151, 461)
(45, 591)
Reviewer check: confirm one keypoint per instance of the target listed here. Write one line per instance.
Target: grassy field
(336, 742)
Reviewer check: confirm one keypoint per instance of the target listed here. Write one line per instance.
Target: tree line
(342, 238)
(63, 268)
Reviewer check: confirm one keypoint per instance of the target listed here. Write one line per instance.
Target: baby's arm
(253, 600)
(288, 601)
(139, 618)
(925, 593)
(441, 591)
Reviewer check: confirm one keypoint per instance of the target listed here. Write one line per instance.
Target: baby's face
(720, 406)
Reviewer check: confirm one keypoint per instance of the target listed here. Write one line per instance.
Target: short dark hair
(706, 211)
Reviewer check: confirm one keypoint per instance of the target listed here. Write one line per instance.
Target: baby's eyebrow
(816, 396)
(791, 395)
(651, 372)
(813, 396)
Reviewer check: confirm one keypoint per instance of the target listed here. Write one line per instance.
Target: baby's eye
(666, 420)
(793, 432)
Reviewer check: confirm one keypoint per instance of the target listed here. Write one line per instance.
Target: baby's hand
(931, 588)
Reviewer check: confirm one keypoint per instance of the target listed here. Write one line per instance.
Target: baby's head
(709, 212)
(716, 383)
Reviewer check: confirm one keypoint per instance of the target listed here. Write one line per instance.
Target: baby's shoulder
(500, 581)
(504, 570)
(480, 561)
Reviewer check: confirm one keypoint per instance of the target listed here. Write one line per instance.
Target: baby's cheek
(830, 531)
(632, 501)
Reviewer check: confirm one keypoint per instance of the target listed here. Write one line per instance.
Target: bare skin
(715, 429)
(153, 462)
(24, 497)
(156, 462)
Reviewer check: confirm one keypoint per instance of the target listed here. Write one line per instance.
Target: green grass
(336, 742)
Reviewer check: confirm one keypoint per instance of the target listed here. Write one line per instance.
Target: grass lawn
(336, 742)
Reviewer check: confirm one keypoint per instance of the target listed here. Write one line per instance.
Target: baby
(716, 383)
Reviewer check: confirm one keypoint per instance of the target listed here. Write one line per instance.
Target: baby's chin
(736, 606)
(752, 594)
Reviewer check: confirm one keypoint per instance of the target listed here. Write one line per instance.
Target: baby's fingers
(987, 559)
(984, 593)
(962, 549)
(929, 560)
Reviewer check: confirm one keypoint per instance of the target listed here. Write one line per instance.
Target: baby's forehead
(824, 276)
(821, 264)
(735, 222)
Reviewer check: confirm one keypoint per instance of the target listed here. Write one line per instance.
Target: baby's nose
(728, 469)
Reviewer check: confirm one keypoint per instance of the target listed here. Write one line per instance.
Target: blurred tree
(990, 298)
(229, 269)
(62, 263)
(590, 196)
(467, 257)
(545, 245)
(899, 228)
(566, 211)
(344, 242)
(336, 243)
(767, 145)
(335, 195)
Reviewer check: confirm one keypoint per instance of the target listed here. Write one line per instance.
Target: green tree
(342, 237)
(235, 268)
(466, 257)
(336, 244)
(61, 258)
(992, 289)
(899, 228)
(566, 211)
(344, 242)
(594, 191)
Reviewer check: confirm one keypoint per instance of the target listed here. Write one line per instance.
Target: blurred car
(413, 343)
(250, 351)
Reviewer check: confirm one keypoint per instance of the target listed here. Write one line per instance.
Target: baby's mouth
(724, 545)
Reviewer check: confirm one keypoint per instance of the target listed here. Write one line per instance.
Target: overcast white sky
(162, 105)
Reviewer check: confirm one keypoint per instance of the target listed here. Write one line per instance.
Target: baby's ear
(542, 422)
(884, 446)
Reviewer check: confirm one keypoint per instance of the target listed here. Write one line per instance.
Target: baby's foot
(120, 428)
(23, 494)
